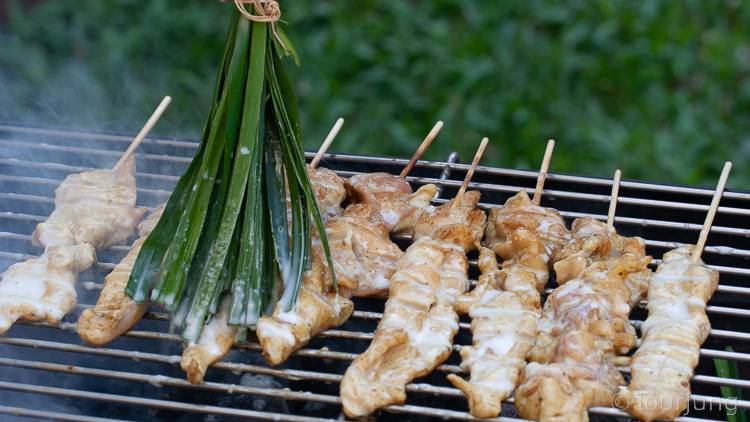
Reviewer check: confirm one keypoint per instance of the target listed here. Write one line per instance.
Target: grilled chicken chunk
(43, 288)
(115, 312)
(215, 341)
(520, 212)
(329, 190)
(584, 326)
(95, 207)
(364, 257)
(672, 334)
(419, 322)
(391, 200)
(318, 308)
(505, 305)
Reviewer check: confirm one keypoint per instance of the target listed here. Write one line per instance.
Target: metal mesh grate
(49, 373)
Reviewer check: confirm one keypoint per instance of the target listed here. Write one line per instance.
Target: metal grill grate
(49, 373)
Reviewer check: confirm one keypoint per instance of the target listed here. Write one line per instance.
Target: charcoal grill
(49, 373)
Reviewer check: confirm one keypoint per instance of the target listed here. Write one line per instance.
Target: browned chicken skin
(419, 321)
(115, 312)
(505, 305)
(585, 324)
(672, 335)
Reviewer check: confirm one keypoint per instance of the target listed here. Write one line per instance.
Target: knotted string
(268, 11)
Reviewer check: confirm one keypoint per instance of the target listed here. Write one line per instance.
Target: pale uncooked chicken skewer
(676, 327)
(585, 323)
(506, 303)
(115, 312)
(93, 211)
(419, 321)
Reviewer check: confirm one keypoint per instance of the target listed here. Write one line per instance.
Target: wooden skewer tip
(422, 148)
(698, 249)
(144, 131)
(470, 172)
(613, 198)
(543, 172)
(327, 142)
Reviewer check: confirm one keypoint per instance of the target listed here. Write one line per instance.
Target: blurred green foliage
(660, 89)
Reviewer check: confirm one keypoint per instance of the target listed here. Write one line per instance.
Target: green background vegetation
(658, 88)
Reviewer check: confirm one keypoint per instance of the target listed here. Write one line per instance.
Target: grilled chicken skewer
(363, 254)
(115, 312)
(93, 210)
(506, 303)
(419, 321)
(676, 327)
(585, 325)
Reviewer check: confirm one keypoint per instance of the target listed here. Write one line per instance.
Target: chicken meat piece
(520, 212)
(43, 288)
(416, 332)
(115, 312)
(329, 189)
(461, 226)
(364, 257)
(95, 207)
(215, 341)
(672, 335)
(583, 327)
(564, 391)
(504, 308)
(391, 200)
(594, 240)
(374, 188)
(317, 309)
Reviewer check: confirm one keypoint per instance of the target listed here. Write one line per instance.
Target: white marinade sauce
(216, 327)
(270, 328)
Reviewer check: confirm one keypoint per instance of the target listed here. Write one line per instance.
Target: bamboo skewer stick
(327, 142)
(613, 199)
(144, 131)
(470, 173)
(698, 249)
(422, 148)
(543, 172)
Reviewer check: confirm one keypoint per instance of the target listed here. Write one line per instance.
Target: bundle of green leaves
(225, 229)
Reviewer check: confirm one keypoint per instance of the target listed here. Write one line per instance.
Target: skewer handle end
(327, 142)
(698, 249)
(543, 172)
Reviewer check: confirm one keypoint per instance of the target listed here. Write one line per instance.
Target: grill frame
(689, 202)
